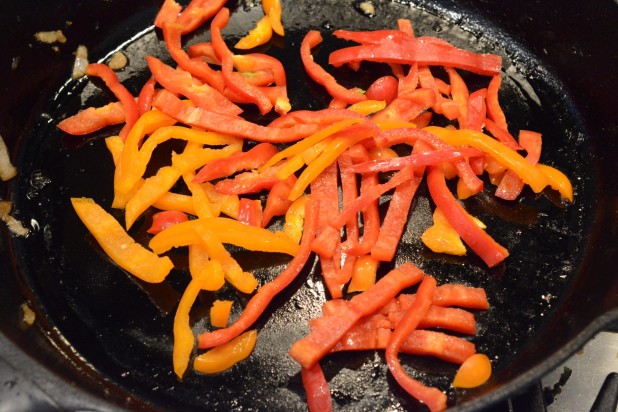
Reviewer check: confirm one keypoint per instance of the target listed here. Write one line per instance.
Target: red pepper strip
(265, 294)
(165, 219)
(421, 51)
(324, 117)
(422, 120)
(316, 387)
(321, 76)
(182, 83)
(173, 106)
(420, 342)
(250, 212)
(111, 81)
(251, 159)
(477, 110)
(336, 103)
(277, 202)
(256, 62)
(235, 83)
(205, 51)
(197, 13)
(395, 220)
(416, 160)
(327, 331)
(92, 119)
(457, 320)
(168, 12)
(409, 82)
(249, 182)
(460, 95)
(442, 105)
(502, 135)
(455, 294)
(432, 397)
(384, 88)
(407, 107)
(371, 214)
(349, 193)
(144, 100)
(405, 26)
(494, 111)
(172, 34)
(511, 184)
(484, 245)
(326, 190)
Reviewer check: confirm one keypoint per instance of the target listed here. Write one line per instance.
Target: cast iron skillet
(109, 336)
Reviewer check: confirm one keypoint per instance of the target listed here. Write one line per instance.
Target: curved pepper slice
(272, 8)
(260, 34)
(227, 355)
(92, 119)
(118, 245)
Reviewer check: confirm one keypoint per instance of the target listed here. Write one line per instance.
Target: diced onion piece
(7, 170)
(81, 62)
(50, 37)
(118, 61)
(28, 316)
(13, 224)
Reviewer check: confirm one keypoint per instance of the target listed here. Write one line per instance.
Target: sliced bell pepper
(222, 203)
(442, 105)
(249, 182)
(321, 76)
(92, 119)
(163, 220)
(250, 212)
(460, 95)
(126, 98)
(210, 271)
(316, 388)
(483, 245)
(260, 34)
(277, 203)
(501, 134)
(205, 51)
(265, 294)
(364, 275)
(184, 341)
(511, 184)
(201, 202)
(220, 313)
(227, 355)
(494, 111)
(197, 13)
(251, 159)
(557, 181)
(477, 110)
(273, 10)
(294, 219)
(453, 294)
(367, 107)
(384, 88)
(146, 94)
(175, 202)
(188, 161)
(168, 12)
(170, 104)
(118, 245)
(432, 397)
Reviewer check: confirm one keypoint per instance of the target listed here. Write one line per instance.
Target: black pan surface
(111, 334)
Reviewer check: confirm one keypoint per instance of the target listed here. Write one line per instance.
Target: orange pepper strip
(295, 163)
(153, 188)
(221, 202)
(227, 355)
(328, 156)
(557, 181)
(308, 142)
(227, 231)
(114, 144)
(245, 282)
(176, 201)
(294, 219)
(260, 34)
(209, 270)
(220, 313)
(123, 182)
(442, 238)
(194, 159)
(201, 203)
(118, 245)
(474, 372)
(272, 8)
(364, 275)
(504, 155)
(368, 107)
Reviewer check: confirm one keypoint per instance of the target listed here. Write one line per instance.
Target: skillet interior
(116, 331)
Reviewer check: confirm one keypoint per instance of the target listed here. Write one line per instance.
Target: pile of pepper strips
(341, 149)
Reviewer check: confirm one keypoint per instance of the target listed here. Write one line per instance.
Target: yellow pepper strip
(442, 238)
(227, 355)
(290, 166)
(209, 270)
(328, 156)
(183, 335)
(114, 145)
(307, 142)
(314, 151)
(221, 202)
(245, 282)
(260, 34)
(272, 8)
(153, 188)
(190, 161)
(124, 183)
(394, 124)
(118, 245)
(220, 313)
(176, 201)
(557, 181)
(296, 162)
(200, 199)
(295, 219)
(227, 231)
(367, 107)
(364, 275)
(506, 156)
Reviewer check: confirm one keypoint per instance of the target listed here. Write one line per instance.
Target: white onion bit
(81, 62)
(7, 170)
